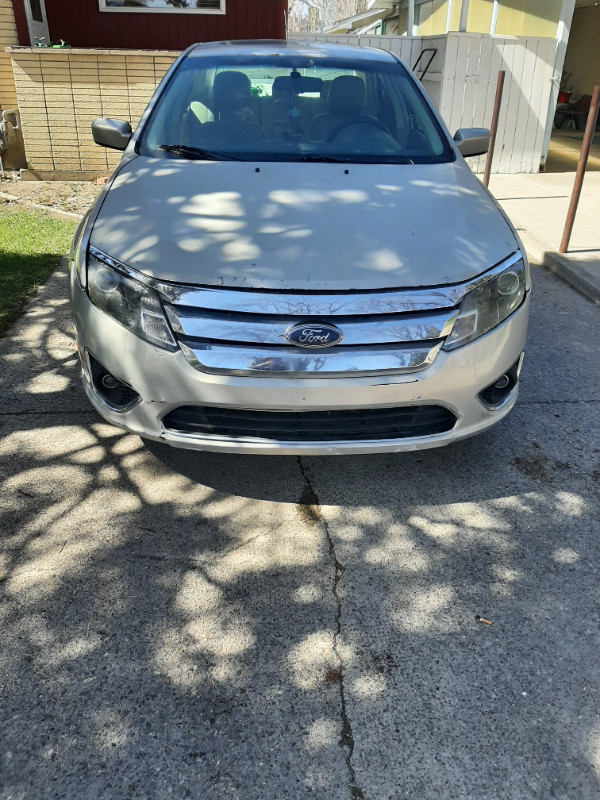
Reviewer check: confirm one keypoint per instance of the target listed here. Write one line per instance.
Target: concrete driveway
(190, 625)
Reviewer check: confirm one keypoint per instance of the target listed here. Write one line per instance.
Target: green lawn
(31, 244)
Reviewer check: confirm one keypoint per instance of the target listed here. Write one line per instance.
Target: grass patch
(31, 245)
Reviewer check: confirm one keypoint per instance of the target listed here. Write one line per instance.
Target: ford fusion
(293, 256)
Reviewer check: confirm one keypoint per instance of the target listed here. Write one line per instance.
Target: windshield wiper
(196, 153)
(324, 159)
(356, 160)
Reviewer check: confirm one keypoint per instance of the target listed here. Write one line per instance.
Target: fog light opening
(112, 391)
(497, 393)
(109, 381)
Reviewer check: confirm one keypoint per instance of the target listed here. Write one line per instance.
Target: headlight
(130, 302)
(488, 305)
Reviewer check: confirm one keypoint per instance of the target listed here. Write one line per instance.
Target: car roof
(273, 47)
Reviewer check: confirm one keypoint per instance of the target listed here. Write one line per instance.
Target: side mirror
(472, 141)
(113, 133)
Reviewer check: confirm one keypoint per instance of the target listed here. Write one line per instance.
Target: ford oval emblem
(314, 335)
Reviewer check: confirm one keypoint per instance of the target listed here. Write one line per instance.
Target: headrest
(231, 91)
(347, 95)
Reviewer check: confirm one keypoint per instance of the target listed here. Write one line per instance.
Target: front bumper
(166, 381)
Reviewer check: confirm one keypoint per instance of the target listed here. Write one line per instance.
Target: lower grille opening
(115, 393)
(311, 426)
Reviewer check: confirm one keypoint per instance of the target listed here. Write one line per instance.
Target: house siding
(533, 18)
(82, 24)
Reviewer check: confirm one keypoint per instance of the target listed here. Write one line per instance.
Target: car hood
(301, 226)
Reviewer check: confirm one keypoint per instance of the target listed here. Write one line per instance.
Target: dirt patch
(72, 196)
(383, 663)
(308, 506)
(332, 677)
(308, 503)
(539, 467)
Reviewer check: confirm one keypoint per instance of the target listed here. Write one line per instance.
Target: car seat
(234, 120)
(346, 101)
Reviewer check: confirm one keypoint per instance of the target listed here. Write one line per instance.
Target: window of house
(36, 11)
(165, 6)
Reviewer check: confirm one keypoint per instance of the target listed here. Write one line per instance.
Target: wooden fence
(408, 48)
(61, 91)
(469, 84)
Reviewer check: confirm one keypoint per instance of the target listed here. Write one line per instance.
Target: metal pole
(494, 127)
(410, 19)
(581, 168)
(464, 16)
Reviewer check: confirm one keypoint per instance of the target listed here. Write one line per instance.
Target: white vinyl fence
(407, 48)
(462, 83)
(469, 87)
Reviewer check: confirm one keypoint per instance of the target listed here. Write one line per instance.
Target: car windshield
(293, 108)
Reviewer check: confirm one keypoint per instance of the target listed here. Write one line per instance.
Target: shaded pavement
(179, 624)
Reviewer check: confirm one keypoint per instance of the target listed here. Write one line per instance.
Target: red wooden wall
(21, 22)
(81, 24)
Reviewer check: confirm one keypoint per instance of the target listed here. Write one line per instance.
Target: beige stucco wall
(528, 18)
(583, 51)
(60, 93)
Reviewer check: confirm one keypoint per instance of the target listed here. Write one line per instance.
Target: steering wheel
(366, 121)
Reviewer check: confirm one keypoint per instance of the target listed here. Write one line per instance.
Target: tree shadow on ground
(196, 625)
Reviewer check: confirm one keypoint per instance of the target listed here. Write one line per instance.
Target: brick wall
(13, 155)
(60, 93)
(8, 36)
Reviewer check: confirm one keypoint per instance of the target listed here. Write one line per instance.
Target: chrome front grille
(289, 362)
(242, 332)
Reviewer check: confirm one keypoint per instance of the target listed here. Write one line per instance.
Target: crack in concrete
(312, 511)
